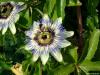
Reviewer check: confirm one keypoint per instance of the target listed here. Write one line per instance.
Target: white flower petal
(35, 57)
(68, 33)
(57, 23)
(4, 29)
(29, 34)
(44, 58)
(46, 17)
(29, 45)
(12, 28)
(65, 43)
(35, 25)
(57, 55)
(16, 18)
(20, 6)
(45, 20)
(26, 47)
(20, 3)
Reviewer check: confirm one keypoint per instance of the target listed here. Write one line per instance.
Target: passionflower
(9, 15)
(46, 37)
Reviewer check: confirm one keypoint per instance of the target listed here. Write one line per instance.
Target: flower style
(9, 15)
(46, 37)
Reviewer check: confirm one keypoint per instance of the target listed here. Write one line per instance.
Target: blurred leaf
(8, 40)
(61, 4)
(49, 6)
(4, 65)
(85, 49)
(73, 3)
(26, 66)
(90, 66)
(91, 6)
(64, 70)
(93, 43)
(92, 22)
(1, 39)
(12, 0)
(54, 14)
(28, 16)
(73, 53)
(25, 20)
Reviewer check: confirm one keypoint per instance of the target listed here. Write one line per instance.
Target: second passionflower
(9, 15)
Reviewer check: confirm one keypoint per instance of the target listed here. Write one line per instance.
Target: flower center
(5, 10)
(45, 37)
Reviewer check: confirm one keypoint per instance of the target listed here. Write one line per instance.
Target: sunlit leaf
(49, 6)
(54, 14)
(12, 0)
(61, 4)
(4, 65)
(64, 70)
(90, 66)
(93, 44)
(73, 3)
(91, 6)
(73, 53)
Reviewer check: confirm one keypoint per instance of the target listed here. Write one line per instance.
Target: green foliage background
(76, 61)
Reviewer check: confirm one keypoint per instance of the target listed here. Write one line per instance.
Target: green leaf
(26, 65)
(73, 53)
(12, 0)
(4, 65)
(28, 16)
(93, 43)
(9, 41)
(61, 4)
(54, 14)
(92, 22)
(73, 3)
(1, 40)
(90, 66)
(91, 6)
(64, 70)
(49, 6)
(25, 19)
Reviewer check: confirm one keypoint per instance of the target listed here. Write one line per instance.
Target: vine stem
(80, 28)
